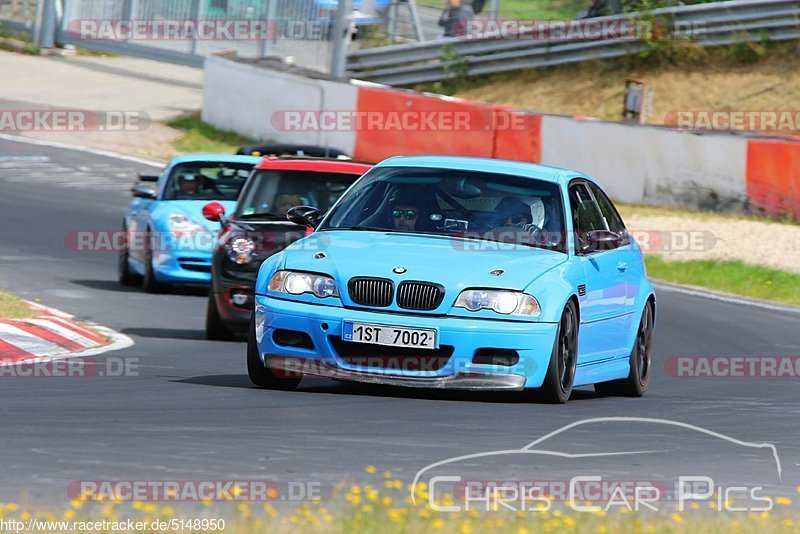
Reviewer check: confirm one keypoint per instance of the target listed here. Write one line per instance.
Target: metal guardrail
(712, 24)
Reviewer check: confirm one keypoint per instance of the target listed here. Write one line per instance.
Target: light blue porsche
(462, 273)
(168, 241)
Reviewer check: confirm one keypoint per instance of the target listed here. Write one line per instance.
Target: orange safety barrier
(518, 135)
(773, 176)
(394, 122)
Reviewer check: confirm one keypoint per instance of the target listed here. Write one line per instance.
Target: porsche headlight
(240, 249)
(297, 283)
(499, 301)
(179, 223)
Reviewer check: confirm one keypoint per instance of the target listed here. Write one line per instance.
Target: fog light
(240, 298)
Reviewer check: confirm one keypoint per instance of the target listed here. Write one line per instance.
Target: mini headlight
(240, 249)
(179, 223)
(297, 283)
(499, 301)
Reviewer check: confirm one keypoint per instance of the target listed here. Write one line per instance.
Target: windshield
(205, 180)
(273, 192)
(463, 204)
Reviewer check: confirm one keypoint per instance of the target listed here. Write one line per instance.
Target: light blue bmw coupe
(168, 240)
(462, 273)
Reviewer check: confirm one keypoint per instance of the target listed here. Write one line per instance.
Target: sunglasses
(518, 219)
(410, 215)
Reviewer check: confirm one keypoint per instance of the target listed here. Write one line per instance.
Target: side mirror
(144, 190)
(214, 211)
(148, 177)
(599, 240)
(304, 216)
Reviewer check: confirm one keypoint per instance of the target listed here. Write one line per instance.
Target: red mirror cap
(213, 211)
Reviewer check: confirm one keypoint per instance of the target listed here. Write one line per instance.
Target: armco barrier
(637, 164)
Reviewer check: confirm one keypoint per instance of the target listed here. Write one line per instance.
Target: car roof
(222, 158)
(517, 168)
(314, 165)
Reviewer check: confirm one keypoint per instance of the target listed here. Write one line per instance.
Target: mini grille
(419, 295)
(582, 290)
(375, 292)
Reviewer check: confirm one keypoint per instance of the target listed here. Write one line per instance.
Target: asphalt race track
(191, 413)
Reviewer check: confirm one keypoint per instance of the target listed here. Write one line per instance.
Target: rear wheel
(557, 386)
(215, 327)
(260, 374)
(125, 275)
(635, 385)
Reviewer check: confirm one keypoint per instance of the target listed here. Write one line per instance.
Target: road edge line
(79, 148)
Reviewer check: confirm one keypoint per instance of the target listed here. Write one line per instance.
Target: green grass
(529, 9)
(199, 136)
(12, 307)
(730, 277)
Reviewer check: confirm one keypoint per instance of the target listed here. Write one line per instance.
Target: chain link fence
(297, 30)
(18, 15)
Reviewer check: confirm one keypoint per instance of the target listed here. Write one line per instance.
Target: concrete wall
(637, 164)
(651, 165)
(249, 100)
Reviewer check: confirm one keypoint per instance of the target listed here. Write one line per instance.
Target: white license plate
(394, 336)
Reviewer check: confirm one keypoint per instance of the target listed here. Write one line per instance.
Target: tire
(260, 374)
(641, 359)
(149, 281)
(125, 276)
(557, 386)
(215, 327)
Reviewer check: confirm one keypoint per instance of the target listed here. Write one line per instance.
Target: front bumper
(230, 281)
(461, 380)
(179, 267)
(531, 341)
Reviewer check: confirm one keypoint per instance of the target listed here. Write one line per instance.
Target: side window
(610, 213)
(586, 215)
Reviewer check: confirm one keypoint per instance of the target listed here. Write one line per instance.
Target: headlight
(240, 249)
(179, 223)
(504, 302)
(297, 283)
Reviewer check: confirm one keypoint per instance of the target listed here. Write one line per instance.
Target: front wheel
(215, 327)
(635, 385)
(125, 275)
(557, 386)
(149, 281)
(262, 375)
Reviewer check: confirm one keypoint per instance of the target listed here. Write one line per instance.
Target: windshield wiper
(265, 216)
(361, 228)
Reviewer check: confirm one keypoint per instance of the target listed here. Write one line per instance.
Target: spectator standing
(455, 17)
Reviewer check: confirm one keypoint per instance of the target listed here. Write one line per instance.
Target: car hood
(194, 210)
(454, 263)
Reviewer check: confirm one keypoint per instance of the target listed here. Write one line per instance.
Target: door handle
(622, 265)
